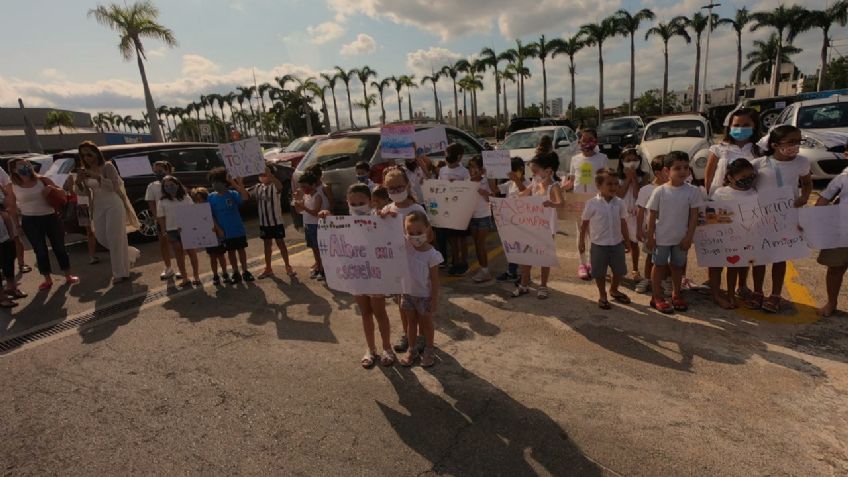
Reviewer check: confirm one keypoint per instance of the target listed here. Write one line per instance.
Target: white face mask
(417, 240)
(631, 165)
(399, 197)
(364, 209)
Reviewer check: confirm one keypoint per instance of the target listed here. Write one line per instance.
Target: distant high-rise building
(555, 107)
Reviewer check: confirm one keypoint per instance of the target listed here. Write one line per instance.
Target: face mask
(746, 183)
(411, 165)
(25, 171)
(159, 176)
(362, 179)
(740, 134)
(171, 188)
(399, 197)
(364, 209)
(219, 187)
(790, 150)
(417, 240)
(631, 165)
(588, 145)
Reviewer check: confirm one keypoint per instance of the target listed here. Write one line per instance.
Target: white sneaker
(482, 275)
(643, 286)
(167, 274)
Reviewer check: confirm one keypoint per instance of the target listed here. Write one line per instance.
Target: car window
(617, 125)
(469, 148)
(833, 115)
(681, 128)
(525, 140)
(572, 136)
(341, 152)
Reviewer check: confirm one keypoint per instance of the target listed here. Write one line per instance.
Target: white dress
(109, 216)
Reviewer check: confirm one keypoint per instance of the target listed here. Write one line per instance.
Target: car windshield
(301, 144)
(341, 152)
(681, 128)
(823, 116)
(615, 125)
(525, 140)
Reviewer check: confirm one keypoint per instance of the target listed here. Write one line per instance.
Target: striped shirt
(269, 203)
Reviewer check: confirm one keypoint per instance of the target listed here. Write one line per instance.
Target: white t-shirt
(31, 201)
(642, 203)
(583, 170)
(509, 188)
(404, 211)
(310, 201)
(483, 209)
(773, 174)
(726, 152)
(153, 192)
(458, 173)
(4, 178)
(629, 203)
(167, 208)
(420, 264)
(605, 220)
(838, 187)
(672, 205)
(729, 193)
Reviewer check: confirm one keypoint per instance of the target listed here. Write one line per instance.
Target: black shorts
(272, 232)
(235, 243)
(219, 250)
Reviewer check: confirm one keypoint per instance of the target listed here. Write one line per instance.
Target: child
(581, 179)
(8, 253)
(782, 167)
(419, 305)
(363, 172)
(516, 184)
(323, 188)
(546, 185)
(740, 140)
(217, 255)
(481, 221)
(152, 196)
(660, 178)
(835, 259)
(311, 201)
(380, 198)
(173, 196)
(417, 170)
(632, 179)
(271, 227)
(673, 214)
(225, 210)
(740, 177)
(455, 171)
(605, 216)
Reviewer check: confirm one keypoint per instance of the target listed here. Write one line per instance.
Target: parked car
(294, 152)
(619, 133)
(40, 162)
(690, 133)
(480, 139)
(339, 153)
(523, 144)
(518, 124)
(824, 128)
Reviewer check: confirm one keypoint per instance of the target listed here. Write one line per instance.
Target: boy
(271, 227)
(363, 171)
(673, 214)
(835, 259)
(581, 179)
(516, 184)
(225, 210)
(217, 254)
(604, 220)
(641, 224)
(455, 171)
(152, 196)
(309, 201)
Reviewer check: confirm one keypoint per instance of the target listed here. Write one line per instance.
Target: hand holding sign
(497, 164)
(243, 158)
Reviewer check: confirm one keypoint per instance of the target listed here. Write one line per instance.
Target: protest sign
(364, 254)
(825, 227)
(572, 211)
(428, 141)
(497, 164)
(197, 230)
(720, 240)
(397, 141)
(134, 166)
(450, 205)
(243, 158)
(524, 226)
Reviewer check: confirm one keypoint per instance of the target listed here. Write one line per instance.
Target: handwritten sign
(197, 229)
(497, 164)
(825, 227)
(397, 141)
(243, 158)
(524, 226)
(572, 211)
(134, 166)
(364, 254)
(450, 205)
(428, 141)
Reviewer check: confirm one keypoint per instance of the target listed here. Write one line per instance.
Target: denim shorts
(311, 232)
(419, 304)
(608, 256)
(669, 255)
(483, 223)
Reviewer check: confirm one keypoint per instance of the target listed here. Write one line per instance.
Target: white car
(59, 171)
(523, 144)
(689, 133)
(824, 127)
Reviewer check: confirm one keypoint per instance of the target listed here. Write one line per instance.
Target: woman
(39, 221)
(110, 209)
(74, 186)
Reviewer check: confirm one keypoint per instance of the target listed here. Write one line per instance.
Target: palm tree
(596, 34)
(134, 22)
(384, 84)
(409, 82)
(128, 123)
(478, 67)
(472, 83)
(518, 55)
(230, 98)
(823, 20)
(545, 48)
(364, 74)
(451, 72)
(163, 111)
(263, 89)
(782, 19)
(345, 76)
(761, 59)
(367, 102)
(433, 78)
(463, 66)
(570, 47)
(491, 60)
(247, 92)
(59, 119)
(698, 23)
(319, 91)
(508, 74)
(303, 87)
(630, 24)
(667, 31)
(330, 79)
(738, 22)
(398, 85)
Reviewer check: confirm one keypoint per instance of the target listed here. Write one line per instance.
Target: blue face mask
(740, 134)
(362, 179)
(25, 171)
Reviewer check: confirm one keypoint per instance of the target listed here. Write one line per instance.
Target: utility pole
(709, 8)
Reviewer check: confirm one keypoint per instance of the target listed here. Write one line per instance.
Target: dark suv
(619, 133)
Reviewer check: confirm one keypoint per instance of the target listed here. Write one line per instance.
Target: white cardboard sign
(197, 229)
(450, 205)
(524, 226)
(825, 227)
(497, 164)
(243, 158)
(134, 166)
(428, 141)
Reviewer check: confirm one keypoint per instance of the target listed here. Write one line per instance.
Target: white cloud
(423, 62)
(363, 44)
(52, 74)
(325, 32)
(157, 52)
(196, 64)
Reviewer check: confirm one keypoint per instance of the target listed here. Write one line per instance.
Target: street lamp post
(709, 9)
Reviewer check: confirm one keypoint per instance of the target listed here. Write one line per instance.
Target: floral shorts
(419, 304)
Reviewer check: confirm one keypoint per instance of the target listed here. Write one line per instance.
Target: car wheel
(768, 119)
(148, 228)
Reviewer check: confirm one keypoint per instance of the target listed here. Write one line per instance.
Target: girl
(419, 305)
(740, 140)
(152, 196)
(545, 185)
(271, 227)
(217, 255)
(310, 201)
(835, 259)
(7, 262)
(457, 243)
(380, 198)
(782, 167)
(481, 221)
(660, 178)
(174, 196)
(225, 204)
(515, 184)
(740, 177)
(631, 177)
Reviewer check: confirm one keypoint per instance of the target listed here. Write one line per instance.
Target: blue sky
(62, 58)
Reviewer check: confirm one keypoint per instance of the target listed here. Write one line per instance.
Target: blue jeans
(38, 230)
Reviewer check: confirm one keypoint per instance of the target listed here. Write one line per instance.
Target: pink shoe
(71, 279)
(583, 272)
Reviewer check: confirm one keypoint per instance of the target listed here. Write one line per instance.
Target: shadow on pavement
(104, 304)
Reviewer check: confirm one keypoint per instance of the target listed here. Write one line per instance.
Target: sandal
(755, 301)
(604, 304)
(744, 294)
(772, 304)
(428, 358)
(184, 284)
(8, 304)
(16, 294)
(290, 271)
(408, 359)
(25, 269)
(196, 283)
(387, 358)
(662, 306)
(542, 293)
(45, 286)
(679, 303)
(265, 274)
(621, 298)
(519, 291)
(635, 276)
(368, 360)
